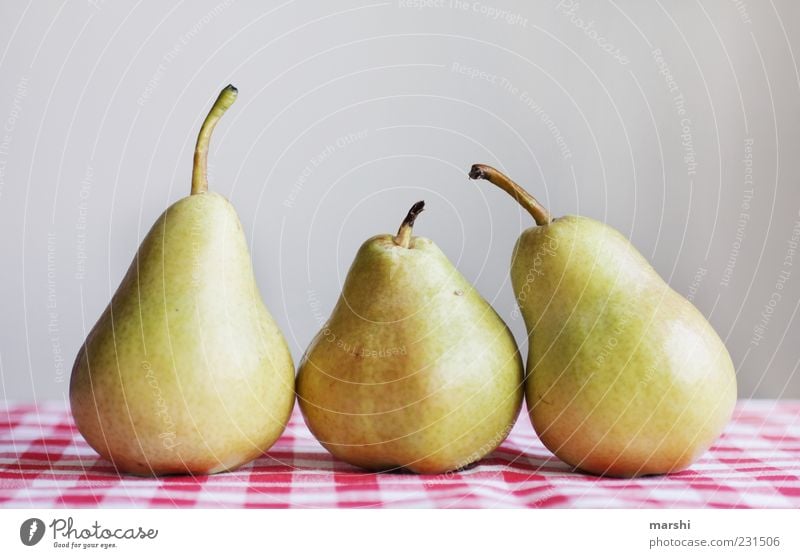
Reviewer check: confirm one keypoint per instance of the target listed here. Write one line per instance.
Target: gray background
(350, 111)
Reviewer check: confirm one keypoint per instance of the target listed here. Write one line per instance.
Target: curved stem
(200, 170)
(531, 205)
(404, 232)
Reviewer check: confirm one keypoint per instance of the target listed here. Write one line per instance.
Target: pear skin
(185, 371)
(414, 369)
(625, 376)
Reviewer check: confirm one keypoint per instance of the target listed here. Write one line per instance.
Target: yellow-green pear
(414, 369)
(625, 377)
(185, 371)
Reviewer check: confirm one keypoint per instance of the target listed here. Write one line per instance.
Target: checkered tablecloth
(44, 462)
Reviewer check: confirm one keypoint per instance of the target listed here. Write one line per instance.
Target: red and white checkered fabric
(45, 463)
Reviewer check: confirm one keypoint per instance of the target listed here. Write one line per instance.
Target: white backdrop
(678, 123)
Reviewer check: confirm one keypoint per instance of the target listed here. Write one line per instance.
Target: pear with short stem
(414, 370)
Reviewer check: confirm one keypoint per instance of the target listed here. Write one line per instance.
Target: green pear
(186, 371)
(414, 369)
(625, 376)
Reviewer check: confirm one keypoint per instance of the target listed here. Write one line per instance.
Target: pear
(185, 371)
(414, 369)
(625, 377)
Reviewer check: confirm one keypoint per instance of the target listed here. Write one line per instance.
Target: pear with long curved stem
(414, 369)
(185, 371)
(625, 377)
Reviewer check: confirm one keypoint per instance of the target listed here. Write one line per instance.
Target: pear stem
(200, 170)
(531, 204)
(403, 237)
